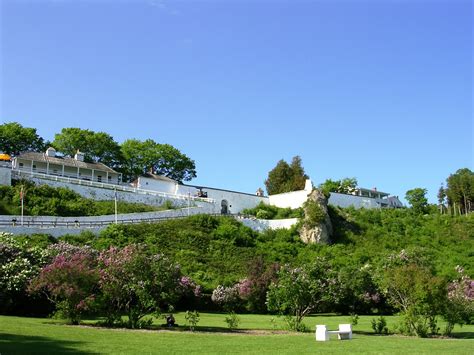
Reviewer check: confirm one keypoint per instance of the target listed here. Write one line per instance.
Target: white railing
(23, 173)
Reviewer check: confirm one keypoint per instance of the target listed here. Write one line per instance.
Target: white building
(50, 164)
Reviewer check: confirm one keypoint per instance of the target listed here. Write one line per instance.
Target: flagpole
(22, 205)
(115, 199)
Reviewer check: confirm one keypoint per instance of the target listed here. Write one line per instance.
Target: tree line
(132, 158)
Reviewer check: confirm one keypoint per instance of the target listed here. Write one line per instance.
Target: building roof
(158, 177)
(66, 161)
(374, 191)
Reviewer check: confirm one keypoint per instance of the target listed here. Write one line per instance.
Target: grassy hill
(219, 250)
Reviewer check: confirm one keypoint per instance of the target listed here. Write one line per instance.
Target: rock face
(317, 226)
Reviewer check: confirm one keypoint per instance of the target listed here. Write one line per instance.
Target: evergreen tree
(286, 178)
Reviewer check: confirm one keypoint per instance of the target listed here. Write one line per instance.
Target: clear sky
(377, 90)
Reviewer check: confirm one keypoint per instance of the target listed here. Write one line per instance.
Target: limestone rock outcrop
(317, 226)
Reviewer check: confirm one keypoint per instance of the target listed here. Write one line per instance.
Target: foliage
(44, 200)
(460, 190)
(162, 159)
(354, 319)
(227, 297)
(20, 261)
(379, 325)
(417, 199)
(459, 308)
(314, 214)
(70, 281)
(98, 147)
(136, 283)
(264, 211)
(14, 139)
(192, 318)
(300, 291)
(285, 177)
(412, 289)
(232, 320)
(344, 186)
(253, 289)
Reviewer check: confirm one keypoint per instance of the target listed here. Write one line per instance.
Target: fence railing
(19, 173)
(31, 223)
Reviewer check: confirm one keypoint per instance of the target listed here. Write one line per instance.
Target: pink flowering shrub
(460, 305)
(227, 297)
(70, 281)
(136, 283)
(189, 287)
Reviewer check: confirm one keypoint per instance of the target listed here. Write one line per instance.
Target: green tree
(137, 283)
(460, 189)
(163, 159)
(97, 147)
(300, 291)
(344, 186)
(286, 178)
(417, 199)
(14, 138)
(420, 296)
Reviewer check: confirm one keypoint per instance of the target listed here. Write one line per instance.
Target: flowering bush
(299, 291)
(136, 283)
(227, 297)
(70, 281)
(189, 287)
(460, 305)
(19, 263)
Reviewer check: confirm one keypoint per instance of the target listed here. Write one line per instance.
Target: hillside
(218, 250)
(43, 200)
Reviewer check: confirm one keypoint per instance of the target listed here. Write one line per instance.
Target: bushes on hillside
(264, 211)
(44, 200)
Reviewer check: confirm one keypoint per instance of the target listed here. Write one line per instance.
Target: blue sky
(377, 90)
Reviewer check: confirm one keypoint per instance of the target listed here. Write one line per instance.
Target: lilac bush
(19, 264)
(136, 283)
(70, 281)
(460, 304)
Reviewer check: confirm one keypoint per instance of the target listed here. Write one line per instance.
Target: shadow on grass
(463, 335)
(23, 344)
(457, 335)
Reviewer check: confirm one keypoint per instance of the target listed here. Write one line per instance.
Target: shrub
(379, 325)
(136, 283)
(71, 282)
(192, 318)
(459, 308)
(232, 320)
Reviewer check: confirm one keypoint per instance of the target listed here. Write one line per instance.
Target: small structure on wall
(49, 163)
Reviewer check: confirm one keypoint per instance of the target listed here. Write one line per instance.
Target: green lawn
(41, 335)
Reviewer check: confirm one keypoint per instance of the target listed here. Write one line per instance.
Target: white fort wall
(293, 199)
(98, 193)
(236, 201)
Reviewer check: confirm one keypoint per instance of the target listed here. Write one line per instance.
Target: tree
(420, 296)
(163, 159)
(460, 190)
(69, 281)
(459, 308)
(14, 139)
(441, 198)
(97, 147)
(285, 177)
(300, 291)
(344, 186)
(136, 283)
(417, 199)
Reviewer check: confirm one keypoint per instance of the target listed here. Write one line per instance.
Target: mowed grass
(263, 336)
